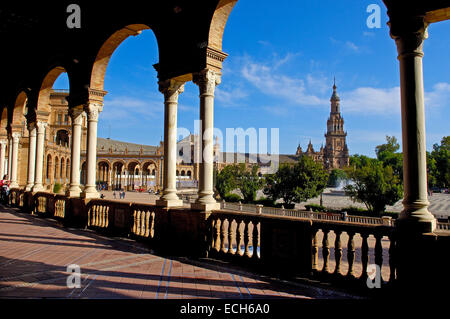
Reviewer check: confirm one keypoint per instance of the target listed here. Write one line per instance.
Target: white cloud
(130, 109)
(270, 82)
(387, 100)
(352, 46)
(371, 100)
(231, 97)
(439, 96)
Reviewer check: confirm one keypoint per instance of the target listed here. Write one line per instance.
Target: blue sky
(279, 74)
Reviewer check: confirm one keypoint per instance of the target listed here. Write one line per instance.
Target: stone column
(207, 81)
(2, 157)
(15, 160)
(409, 37)
(9, 155)
(76, 115)
(171, 89)
(92, 110)
(40, 128)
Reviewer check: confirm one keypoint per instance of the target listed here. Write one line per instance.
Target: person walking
(4, 189)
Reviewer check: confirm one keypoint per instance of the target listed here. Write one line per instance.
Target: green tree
(391, 146)
(358, 161)
(388, 154)
(431, 170)
(226, 180)
(375, 185)
(298, 183)
(441, 157)
(248, 182)
(57, 188)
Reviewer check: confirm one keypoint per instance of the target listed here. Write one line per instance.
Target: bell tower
(336, 150)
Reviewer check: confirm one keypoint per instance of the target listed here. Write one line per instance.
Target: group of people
(121, 194)
(4, 189)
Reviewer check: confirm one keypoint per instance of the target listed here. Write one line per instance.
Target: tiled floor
(35, 255)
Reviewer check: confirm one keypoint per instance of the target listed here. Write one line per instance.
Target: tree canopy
(298, 183)
(375, 185)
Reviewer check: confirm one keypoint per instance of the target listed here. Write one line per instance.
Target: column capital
(3, 143)
(41, 125)
(171, 89)
(16, 136)
(76, 115)
(207, 80)
(92, 111)
(31, 127)
(409, 34)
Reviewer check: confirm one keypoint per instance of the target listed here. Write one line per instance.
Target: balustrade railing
(144, 217)
(16, 197)
(442, 226)
(331, 247)
(306, 214)
(42, 204)
(345, 251)
(60, 206)
(235, 235)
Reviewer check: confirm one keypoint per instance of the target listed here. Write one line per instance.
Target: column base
(169, 202)
(410, 225)
(90, 195)
(37, 188)
(14, 185)
(415, 217)
(73, 193)
(205, 206)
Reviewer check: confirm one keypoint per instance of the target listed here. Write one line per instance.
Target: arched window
(68, 168)
(55, 173)
(49, 165)
(62, 138)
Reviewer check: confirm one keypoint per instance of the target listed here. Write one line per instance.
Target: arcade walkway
(35, 253)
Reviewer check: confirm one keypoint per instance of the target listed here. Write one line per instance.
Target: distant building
(335, 153)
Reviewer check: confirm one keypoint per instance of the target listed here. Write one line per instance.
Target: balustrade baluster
(105, 216)
(224, 236)
(351, 254)
(102, 216)
(142, 224)
(325, 251)
(338, 252)
(247, 238)
(230, 237)
(147, 223)
(315, 250)
(378, 251)
(94, 215)
(152, 224)
(135, 214)
(241, 237)
(364, 255)
(218, 241)
(255, 240)
(392, 256)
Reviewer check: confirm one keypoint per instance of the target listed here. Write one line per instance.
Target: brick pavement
(35, 253)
